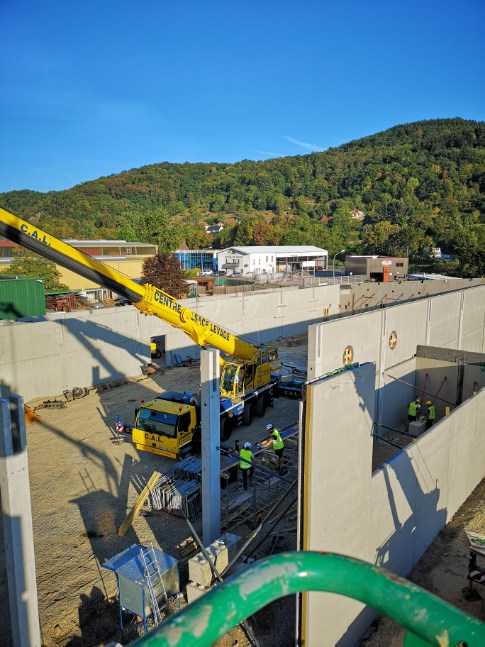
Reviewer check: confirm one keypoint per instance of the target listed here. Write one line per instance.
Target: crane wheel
(247, 416)
(261, 406)
(226, 428)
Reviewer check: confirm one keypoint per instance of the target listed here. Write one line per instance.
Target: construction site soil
(83, 483)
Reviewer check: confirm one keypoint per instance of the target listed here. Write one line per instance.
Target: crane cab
(167, 425)
(239, 378)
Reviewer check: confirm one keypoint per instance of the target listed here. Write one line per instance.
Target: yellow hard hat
(428, 403)
(418, 400)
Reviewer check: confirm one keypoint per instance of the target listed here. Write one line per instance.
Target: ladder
(153, 577)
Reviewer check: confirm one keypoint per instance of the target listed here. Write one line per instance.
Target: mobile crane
(169, 424)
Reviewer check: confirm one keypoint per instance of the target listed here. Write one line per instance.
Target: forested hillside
(405, 190)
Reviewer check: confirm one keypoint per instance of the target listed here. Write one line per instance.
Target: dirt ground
(83, 483)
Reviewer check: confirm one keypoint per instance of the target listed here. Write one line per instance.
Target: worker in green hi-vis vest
(414, 409)
(431, 414)
(276, 441)
(245, 454)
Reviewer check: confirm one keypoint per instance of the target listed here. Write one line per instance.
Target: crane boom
(147, 298)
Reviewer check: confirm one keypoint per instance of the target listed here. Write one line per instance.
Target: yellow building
(125, 257)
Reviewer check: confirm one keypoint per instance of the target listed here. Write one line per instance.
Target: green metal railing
(429, 620)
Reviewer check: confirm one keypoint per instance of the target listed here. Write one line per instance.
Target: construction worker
(276, 441)
(414, 409)
(246, 454)
(431, 414)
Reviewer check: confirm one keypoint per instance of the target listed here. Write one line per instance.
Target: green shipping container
(21, 298)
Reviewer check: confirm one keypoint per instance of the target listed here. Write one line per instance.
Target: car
(121, 301)
(97, 304)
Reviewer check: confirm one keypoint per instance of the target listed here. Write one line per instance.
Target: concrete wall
(337, 433)
(84, 348)
(363, 296)
(390, 517)
(452, 320)
(417, 492)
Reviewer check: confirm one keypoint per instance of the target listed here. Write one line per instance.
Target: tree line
(400, 192)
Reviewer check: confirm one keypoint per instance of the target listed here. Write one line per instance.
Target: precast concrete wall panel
(444, 325)
(397, 391)
(473, 316)
(463, 424)
(439, 379)
(429, 458)
(473, 380)
(409, 322)
(478, 464)
(337, 492)
(392, 514)
(473, 342)
(327, 342)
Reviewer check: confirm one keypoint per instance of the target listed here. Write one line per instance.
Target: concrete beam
(211, 458)
(17, 523)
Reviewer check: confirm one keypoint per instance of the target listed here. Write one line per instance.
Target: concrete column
(460, 320)
(211, 433)
(17, 523)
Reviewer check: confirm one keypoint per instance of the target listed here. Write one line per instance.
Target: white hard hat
(247, 445)
(269, 427)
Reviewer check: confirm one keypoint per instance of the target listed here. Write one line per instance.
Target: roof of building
(298, 250)
(423, 276)
(374, 256)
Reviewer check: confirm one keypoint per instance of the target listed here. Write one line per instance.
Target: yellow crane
(246, 382)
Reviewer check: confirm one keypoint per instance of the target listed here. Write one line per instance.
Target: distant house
(357, 214)
(214, 229)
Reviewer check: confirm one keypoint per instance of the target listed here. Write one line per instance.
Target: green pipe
(221, 609)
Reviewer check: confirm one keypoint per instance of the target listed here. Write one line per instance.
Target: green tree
(164, 272)
(26, 263)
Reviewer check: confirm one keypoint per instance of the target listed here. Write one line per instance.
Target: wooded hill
(405, 190)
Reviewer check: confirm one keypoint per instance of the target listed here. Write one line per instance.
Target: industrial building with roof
(377, 268)
(257, 259)
(123, 256)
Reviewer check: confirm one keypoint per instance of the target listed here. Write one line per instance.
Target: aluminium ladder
(153, 578)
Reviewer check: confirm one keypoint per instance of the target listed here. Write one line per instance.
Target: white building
(256, 259)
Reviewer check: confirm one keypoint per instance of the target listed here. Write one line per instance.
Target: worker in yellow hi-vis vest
(245, 454)
(431, 414)
(414, 409)
(276, 441)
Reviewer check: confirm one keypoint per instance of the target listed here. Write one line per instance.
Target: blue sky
(93, 88)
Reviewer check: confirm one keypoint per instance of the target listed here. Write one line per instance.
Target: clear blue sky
(90, 88)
